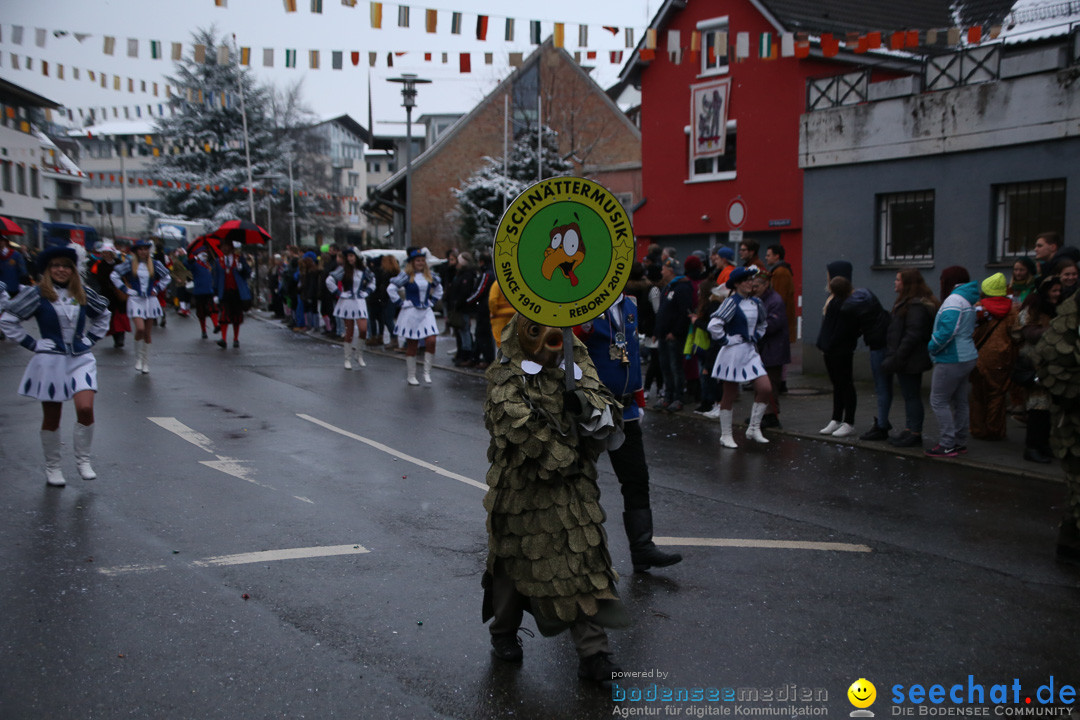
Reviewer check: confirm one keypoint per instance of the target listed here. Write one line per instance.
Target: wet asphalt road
(122, 597)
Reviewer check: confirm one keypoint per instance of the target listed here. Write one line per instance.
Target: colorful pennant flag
(431, 20)
(509, 35)
(110, 44)
(742, 46)
(313, 59)
(268, 57)
(200, 54)
(787, 44)
(974, 35)
(465, 63)
(765, 46)
(376, 15)
(629, 38)
(616, 57)
(481, 27)
(177, 51)
(953, 36)
(155, 49)
(534, 32)
(316, 7)
(290, 58)
(223, 55)
(695, 46)
(674, 46)
(290, 6)
(336, 59)
(830, 46)
(403, 16)
(583, 36)
(560, 32)
(245, 56)
(455, 23)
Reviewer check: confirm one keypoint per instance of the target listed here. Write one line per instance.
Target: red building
(720, 106)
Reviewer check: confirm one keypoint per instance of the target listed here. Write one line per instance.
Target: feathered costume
(545, 523)
(1058, 365)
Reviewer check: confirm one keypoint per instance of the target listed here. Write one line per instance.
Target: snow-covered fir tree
(204, 141)
(484, 195)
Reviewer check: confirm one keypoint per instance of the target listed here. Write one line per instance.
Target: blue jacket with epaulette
(623, 379)
(29, 304)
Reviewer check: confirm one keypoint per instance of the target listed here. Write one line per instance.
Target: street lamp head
(408, 81)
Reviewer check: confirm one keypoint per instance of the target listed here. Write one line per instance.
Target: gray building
(962, 166)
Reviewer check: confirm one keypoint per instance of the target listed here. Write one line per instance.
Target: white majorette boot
(410, 370)
(358, 352)
(145, 351)
(348, 355)
(725, 430)
(428, 357)
(50, 445)
(84, 436)
(138, 356)
(753, 430)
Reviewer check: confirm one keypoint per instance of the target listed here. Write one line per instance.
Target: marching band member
(70, 319)
(141, 279)
(352, 282)
(416, 289)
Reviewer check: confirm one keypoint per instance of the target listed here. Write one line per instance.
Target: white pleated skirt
(351, 309)
(416, 323)
(56, 378)
(738, 363)
(148, 307)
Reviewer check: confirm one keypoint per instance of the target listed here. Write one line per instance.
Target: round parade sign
(563, 251)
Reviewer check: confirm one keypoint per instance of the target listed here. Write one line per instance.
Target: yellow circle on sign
(563, 251)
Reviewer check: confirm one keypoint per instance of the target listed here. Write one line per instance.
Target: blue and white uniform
(142, 287)
(739, 323)
(62, 364)
(416, 320)
(352, 300)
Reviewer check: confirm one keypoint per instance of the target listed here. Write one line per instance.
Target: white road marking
(771, 544)
(247, 558)
(192, 436)
(232, 466)
(396, 453)
(699, 542)
(304, 499)
(286, 554)
(227, 465)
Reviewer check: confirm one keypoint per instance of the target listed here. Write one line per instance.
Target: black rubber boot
(643, 551)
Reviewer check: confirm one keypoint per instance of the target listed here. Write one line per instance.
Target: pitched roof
(505, 86)
(840, 17)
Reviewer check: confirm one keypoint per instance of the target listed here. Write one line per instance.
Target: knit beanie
(995, 286)
(839, 268)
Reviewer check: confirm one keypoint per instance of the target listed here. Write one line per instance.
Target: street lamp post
(408, 81)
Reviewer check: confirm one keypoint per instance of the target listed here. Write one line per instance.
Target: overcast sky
(265, 24)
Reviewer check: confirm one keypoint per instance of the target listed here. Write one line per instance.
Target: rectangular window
(35, 183)
(720, 167)
(20, 179)
(906, 227)
(8, 185)
(714, 45)
(1022, 211)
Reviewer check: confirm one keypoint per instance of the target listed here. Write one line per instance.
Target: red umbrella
(244, 232)
(9, 227)
(203, 242)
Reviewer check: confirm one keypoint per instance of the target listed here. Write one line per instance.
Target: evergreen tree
(204, 137)
(483, 196)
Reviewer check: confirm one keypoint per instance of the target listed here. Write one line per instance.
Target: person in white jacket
(70, 320)
(351, 282)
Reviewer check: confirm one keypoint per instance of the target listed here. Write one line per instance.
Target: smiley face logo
(862, 693)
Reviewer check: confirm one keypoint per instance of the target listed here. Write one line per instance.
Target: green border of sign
(523, 237)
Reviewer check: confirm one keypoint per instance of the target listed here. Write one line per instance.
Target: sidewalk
(807, 407)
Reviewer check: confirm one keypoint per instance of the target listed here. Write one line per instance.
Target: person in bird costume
(547, 549)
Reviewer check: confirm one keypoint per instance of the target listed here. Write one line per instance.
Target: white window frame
(694, 177)
(1004, 193)
(712, 25)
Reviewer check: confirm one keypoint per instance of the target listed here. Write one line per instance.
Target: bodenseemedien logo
(862, 694)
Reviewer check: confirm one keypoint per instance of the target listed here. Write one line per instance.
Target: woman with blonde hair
(141, 279)
(417, 290)
(70, 319)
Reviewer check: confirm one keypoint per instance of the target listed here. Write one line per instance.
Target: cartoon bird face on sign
(565, 253)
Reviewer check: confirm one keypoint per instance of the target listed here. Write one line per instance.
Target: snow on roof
(63, 162)
(1039, 19)
(116, 127)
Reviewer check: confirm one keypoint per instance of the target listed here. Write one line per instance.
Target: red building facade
(753, 190)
